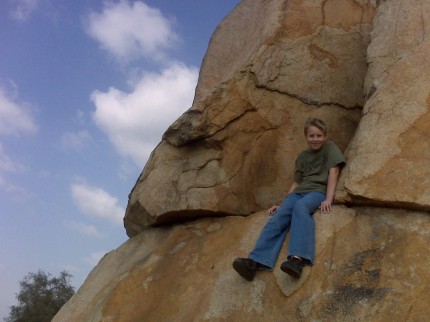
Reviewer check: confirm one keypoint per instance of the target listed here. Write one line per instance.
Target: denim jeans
(295, 214)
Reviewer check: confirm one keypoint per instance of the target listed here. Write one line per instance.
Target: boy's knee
(284, 211)
(303, 206)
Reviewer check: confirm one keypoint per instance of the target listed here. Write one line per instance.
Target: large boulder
(270, 65)
(371, 265)
(233, 154)
(388, 161)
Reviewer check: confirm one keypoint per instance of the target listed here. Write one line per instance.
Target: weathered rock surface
(372, 265)
(389, 156)
(233, 152)
(388, 161)
(270, 65)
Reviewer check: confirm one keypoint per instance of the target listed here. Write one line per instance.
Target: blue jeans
(294, 214)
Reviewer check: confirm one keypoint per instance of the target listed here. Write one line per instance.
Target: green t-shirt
(312, 167)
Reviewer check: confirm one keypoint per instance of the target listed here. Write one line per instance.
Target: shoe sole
(291, 271)
(243, 271)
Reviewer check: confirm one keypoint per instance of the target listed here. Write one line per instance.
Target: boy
(315, 179)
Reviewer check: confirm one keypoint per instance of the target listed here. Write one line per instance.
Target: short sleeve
(298, 173)
(335, 156)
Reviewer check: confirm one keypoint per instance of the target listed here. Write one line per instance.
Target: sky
(87, 88)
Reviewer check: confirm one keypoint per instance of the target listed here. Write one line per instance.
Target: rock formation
(388, 159)
(372, 265)
(362, 66)
(270, 65)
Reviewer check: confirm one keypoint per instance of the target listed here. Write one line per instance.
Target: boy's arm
(333, 175)
(293, 187)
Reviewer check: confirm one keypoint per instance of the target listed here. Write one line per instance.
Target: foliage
(41, 297)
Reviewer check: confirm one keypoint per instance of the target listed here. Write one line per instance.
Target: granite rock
(371, 265)
(233, 151)
(388, 157)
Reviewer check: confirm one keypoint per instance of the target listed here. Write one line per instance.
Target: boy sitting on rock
(315, 179)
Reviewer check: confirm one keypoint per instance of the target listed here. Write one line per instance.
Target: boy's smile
(315, 138)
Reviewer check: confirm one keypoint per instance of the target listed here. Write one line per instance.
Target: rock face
(233, 151)
(360, 65)
(389, 157)
(371, 265)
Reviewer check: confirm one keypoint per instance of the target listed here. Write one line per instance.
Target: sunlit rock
(371, 265)
(388, 161)
(270, 65)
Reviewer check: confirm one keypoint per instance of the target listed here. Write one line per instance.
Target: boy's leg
(302, 232)
(269, 244)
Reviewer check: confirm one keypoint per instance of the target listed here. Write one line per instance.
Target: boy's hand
(325, 206)
(272, 210)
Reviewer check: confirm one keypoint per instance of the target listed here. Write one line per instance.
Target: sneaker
(246, 267)
(293, 266)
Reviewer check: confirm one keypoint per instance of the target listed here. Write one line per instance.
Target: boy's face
(315, 138)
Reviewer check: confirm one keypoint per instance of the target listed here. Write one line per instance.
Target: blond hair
(317, 123)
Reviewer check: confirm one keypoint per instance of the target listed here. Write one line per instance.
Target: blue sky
(87, 88)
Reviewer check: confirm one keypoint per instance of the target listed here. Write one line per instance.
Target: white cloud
(130, 31)
(97, 203)
(135, 122)
(9, 165)
(85, 229)
(19, 193)
(23, 9)
(95, 258)
(15, 117)
(75, 141)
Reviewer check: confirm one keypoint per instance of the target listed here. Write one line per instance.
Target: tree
(41, 297)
